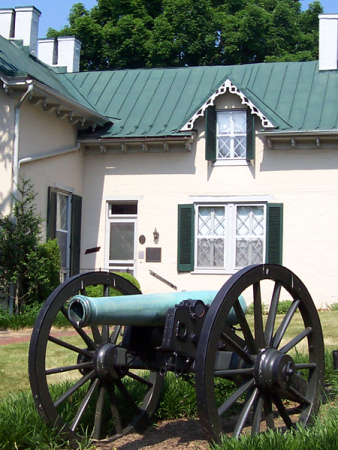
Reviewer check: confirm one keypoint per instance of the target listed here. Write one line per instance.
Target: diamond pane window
(250, 235)
(210, 237)
(231, 134)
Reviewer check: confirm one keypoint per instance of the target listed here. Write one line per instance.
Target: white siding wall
(6, 151)
(304, 181)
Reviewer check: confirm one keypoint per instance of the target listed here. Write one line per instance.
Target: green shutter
(185, 253)
(51, 214)
(75, 236)
(274, 235)
(250, 136)
(210, 133)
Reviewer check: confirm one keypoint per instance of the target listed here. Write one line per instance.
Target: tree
(118, 34)
(25, 264)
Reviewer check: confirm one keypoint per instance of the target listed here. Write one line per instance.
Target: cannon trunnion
(246, 368)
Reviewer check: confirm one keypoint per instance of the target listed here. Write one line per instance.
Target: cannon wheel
(88, 403)
(252, 377)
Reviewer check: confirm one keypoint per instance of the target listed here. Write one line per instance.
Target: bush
(97, 291)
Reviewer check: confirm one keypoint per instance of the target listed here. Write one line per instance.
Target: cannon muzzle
(137, 310)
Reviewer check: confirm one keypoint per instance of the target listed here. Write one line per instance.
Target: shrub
(97, 291)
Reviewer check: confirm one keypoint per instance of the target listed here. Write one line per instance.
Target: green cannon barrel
(137, 310)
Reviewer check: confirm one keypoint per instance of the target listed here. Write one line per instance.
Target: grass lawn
(14, 379)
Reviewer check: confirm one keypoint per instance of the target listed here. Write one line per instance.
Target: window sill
(213, 272)
(231, 162)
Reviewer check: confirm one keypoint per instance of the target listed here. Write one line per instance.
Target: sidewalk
(17, 337)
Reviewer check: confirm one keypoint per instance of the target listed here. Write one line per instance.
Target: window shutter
(51, 214)
(185, 253)
(75, 236)
(250, 136)
(210, 133)
(274, 235)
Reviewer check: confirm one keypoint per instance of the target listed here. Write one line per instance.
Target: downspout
(16, 141)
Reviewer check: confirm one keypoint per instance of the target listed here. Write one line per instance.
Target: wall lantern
(156, 235)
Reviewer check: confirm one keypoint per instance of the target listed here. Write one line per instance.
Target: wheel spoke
(74, 388)
(296, 340)
(232, 373)
(235, 396)
(268, 412)
(245, 328)
(127, 396)
(270, 323)
(257, 415)
(70, 346)
(300, 398)
(236, 348)
(84, 404)
(285, 323)
(304, 366)
(96, 335)
(115, 334)
(258, 317)
(140, 379)
(86, 365)
(282, 411)
(105, 333)
(245, 412)
(114, 409)
(87, 340)
(99, 414)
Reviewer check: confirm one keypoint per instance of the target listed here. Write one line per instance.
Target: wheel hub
(273, 370)
(103, 363)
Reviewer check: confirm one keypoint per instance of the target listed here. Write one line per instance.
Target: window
(229, 236)
(121, 232)
(222, 238)
(64, 224)
(229, 135)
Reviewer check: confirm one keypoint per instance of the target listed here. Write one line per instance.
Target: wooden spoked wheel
(266, 372)
(71, 387)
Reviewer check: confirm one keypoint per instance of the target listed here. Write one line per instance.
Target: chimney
(7, 22)
(328, 41)
(61, 52)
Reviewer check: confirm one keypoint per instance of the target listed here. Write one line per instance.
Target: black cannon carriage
(244, 367)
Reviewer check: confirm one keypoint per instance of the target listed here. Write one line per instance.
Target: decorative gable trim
(227, 85)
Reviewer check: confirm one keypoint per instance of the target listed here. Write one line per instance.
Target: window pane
(211, 230)
(62, 241)
(250, 224)
(231, 134)
(62, 212)
(121, 246)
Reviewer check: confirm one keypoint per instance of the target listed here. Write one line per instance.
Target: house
(180, 175)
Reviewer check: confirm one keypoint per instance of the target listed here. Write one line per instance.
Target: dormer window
(231, 134)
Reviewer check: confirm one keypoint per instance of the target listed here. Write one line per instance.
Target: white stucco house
(182, 175)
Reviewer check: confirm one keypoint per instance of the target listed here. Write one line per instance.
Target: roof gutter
(51, 154)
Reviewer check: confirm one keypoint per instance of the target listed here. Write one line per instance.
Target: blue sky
(55, 13)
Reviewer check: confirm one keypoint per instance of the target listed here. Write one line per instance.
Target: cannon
(251, 372)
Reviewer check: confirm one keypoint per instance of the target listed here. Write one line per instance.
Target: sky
(54, 13)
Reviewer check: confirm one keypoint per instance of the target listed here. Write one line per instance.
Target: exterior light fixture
(156, 235)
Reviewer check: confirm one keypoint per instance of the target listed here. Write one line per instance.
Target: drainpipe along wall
(16, 142)
(15, 166)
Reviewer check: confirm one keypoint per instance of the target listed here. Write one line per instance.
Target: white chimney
(7, 23)
(61, 52)
(69, 53)
(328, 41)
(47, 51)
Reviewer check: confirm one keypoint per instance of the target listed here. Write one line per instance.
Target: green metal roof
(15, 61)
(293, 96)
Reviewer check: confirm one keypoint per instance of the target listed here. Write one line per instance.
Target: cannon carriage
(247, 370)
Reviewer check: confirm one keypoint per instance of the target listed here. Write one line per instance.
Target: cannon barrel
(137, 310)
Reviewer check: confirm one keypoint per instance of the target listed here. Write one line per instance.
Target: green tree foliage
(117, 34)
(29, 271)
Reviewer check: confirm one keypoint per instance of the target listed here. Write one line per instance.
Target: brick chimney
(328, 41)
(21, 23)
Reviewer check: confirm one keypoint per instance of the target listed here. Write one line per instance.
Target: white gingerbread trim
(222, 90)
